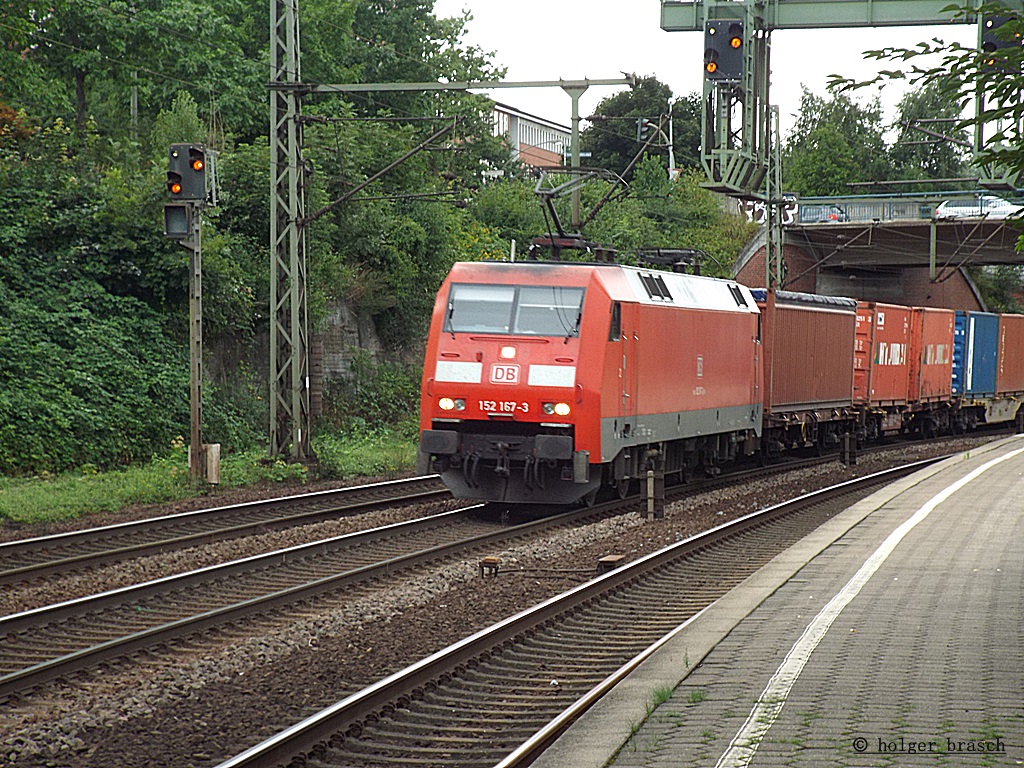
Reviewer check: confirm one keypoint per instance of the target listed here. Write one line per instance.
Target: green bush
(343, 457)
(108, 386)
(381, 399)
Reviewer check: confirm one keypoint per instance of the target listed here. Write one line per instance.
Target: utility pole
(575, 91)
(289, 316)
(671, 145)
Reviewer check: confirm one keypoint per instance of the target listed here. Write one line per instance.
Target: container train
(552, 382)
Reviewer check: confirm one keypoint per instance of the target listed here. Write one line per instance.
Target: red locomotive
(546, 382)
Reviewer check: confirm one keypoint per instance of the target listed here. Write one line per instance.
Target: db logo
(504, 374)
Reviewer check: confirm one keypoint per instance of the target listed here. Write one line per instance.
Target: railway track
(58, 640)
(60, 553)
(40, 557)
(475, 703)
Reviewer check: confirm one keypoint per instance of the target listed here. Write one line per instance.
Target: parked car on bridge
(813, 214)
(986, 206)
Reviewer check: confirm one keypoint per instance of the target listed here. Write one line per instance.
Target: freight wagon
(808, 368)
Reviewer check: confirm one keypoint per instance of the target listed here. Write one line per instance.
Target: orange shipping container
(808, 350)
(931, 355)
(881, 369)
(1010, 368)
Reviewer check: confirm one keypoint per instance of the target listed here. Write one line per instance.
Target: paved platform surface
(892, 636)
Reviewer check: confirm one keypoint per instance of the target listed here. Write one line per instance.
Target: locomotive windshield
(532, 310)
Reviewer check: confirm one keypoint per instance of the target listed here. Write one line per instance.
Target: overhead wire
(134, 18)
(122, 62)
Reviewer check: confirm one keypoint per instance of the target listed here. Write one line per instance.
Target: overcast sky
(601, 39)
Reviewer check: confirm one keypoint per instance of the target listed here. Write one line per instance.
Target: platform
(892, 635)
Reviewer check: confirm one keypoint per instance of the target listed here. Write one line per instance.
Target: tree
(23, 78)
(660, 213)
(833, 143)
(918, 153)
(1002, 286)
(611, 138)
(93, 54)
(958, 74)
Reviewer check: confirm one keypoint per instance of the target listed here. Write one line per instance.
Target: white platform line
(768, 707)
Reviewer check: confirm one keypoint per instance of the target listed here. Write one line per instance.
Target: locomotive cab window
(523, 310)
(548, 311)
(480, 308)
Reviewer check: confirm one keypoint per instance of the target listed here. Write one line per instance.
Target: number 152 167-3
(503, 406)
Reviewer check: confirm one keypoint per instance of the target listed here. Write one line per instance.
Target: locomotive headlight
(446, 404)
(508, 353)
(460, 404)
(559, 409)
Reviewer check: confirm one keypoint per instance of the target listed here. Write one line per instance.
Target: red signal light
(174, 183)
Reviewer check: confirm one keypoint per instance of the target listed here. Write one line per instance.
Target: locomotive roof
(622, 283)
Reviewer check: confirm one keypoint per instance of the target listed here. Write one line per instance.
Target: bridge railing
(898, 207)
(859, 209)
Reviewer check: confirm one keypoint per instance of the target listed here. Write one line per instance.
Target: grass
(661, 695)
(49, 498)
(381, 455)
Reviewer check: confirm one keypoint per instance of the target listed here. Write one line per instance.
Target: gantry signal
(723, 49)
(995, 39)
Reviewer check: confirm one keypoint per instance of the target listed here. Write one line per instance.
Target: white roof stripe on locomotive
(459, 373)
(690, 291)
(551, 376)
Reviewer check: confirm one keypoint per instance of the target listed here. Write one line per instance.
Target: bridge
(908, 230)
(888, 247)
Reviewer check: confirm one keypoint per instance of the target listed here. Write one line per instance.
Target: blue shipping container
(975, 346)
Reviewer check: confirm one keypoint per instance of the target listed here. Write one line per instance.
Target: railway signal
(994, 40)
(186, 172)
(723, 49)
(187, 169)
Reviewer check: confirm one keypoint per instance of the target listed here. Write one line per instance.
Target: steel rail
(346, 716)
(28, 677)
(42, 555)
(65, 663)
